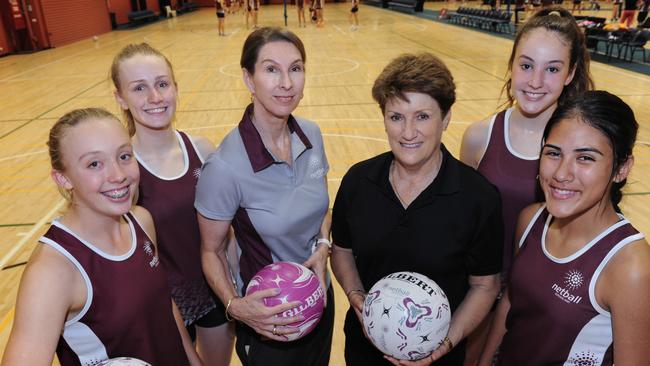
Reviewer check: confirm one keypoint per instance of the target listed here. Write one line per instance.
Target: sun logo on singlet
(573, 279)
(148, 250)
(196, 173)
(584, 358)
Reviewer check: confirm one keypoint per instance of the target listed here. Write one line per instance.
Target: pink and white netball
(406, 315)
(297, 283)
(123, 361)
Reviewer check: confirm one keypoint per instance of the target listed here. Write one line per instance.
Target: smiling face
(147, 89)
(576, 169)
(278, 81)
(414, 129)
(99, 168)
(540, 71)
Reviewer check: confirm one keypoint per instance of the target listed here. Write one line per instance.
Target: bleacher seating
(408, 6)
(379, 3)
(141, 16)
(494, 20)
(188, 7)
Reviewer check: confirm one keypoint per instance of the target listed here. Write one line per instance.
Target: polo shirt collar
(447, 181)
(258, 155)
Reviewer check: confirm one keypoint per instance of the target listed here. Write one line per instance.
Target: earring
(537, 177)
(252, 97)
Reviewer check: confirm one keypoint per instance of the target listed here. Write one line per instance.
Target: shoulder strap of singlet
(194, 152)
(612, 252)
(495, 131)
(89, 287)
(537, 217)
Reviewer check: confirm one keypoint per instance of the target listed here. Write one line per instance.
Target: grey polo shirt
(276, 208)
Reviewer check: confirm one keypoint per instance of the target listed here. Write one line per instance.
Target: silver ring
(273, 331)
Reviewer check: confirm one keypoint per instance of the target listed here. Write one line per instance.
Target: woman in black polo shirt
(417, 208)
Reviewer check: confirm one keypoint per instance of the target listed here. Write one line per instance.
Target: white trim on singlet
(599, 269)
(592, 341)
(582, 250)
(530, 225)
(89, 287)
(487, 141)
(506, 137)
(143, 229)
(186, 160)
(115, 258)
(85, 344)
(196, 150)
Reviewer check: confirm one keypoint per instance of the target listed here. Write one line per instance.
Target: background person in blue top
(268, 180)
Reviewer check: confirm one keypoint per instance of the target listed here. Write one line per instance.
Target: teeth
(156, 110)
(534, 94)
(118, 193)
(410, 145)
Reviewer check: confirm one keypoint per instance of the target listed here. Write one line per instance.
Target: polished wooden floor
(342, 64)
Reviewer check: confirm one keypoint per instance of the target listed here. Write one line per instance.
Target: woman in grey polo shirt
(268, 181)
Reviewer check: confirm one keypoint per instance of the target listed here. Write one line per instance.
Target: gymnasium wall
(153, 6)
(5, 43)
(70, 21)
(121, 8)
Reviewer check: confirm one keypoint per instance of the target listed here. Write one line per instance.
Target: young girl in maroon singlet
(580, 285)
(170, 163)
(94, 289)
(549, 63)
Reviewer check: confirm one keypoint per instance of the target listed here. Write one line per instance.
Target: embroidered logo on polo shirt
(315, 169)
(148, 249)
(573, 280)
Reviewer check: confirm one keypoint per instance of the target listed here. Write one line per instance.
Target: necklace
(427, 182)
(391, 180)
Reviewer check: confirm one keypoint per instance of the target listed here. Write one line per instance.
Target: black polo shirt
(452, 230)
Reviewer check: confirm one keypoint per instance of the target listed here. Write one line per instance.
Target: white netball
(406, 315)
(123, 361)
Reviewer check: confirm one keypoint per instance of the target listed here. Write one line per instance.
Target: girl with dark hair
(268, 180)
(548, 64)
(581, 280)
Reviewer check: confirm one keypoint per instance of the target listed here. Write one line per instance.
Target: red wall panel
(121, 8)
(5, 43)
(153, 6)
(70, 21)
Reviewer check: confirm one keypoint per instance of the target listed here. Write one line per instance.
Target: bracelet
(347, 294)
(228, 317)
(322, 241)
(448, 343)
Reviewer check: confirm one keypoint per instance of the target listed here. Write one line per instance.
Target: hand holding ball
(296, 283)
(406, 315)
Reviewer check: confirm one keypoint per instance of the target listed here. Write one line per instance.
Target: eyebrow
(143, 80)
(550, 62)
(578, 150)
(127, 144)
(275, 62)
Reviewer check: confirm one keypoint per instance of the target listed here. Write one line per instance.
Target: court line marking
(12, 77)
(8, 318)
(19, 245)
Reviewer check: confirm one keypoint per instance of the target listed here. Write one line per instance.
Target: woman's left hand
(317, 262)
(434, 356)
